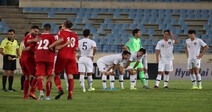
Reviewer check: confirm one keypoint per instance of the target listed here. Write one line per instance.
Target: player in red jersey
(68, 44)
(44, 61)
(28, 61)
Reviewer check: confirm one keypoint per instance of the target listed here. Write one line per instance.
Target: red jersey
(43, 54)
(28, 56)
(68, 52)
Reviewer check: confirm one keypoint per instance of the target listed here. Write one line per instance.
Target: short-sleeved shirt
(86, 47)
(134, 57)
(134, 44)
(166, 49)
(43, 54)
(194, 47)
(68, 52)
(29, 55)
(9, 47)
(112, 59)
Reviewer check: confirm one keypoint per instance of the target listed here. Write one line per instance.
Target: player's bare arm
(108, 70)
(203, 52)
(186, 51)
(157, 55)
(1, 51)
(175, 39)
(18, 53)
(126, 48)
(56, 43)
(115, 68)
(63, 45)
(37, 39)
(27, 49)
(128, 63)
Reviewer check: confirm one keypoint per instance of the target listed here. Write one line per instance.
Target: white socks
(199, 79)
(82, 80)
(158, 79)
(193, 79)
(90, 82)
(112, 78)
(121, 79)
(166, 80)
(147, 78)
(132, 80)
(66, 79)
(104, 79)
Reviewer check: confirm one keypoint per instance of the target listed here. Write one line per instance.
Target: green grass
(178, 98)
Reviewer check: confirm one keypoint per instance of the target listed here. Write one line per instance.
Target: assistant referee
(10, 50)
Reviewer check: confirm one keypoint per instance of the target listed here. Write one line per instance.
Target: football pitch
(178, 98)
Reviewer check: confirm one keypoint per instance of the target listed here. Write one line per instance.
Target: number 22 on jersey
(45, 42)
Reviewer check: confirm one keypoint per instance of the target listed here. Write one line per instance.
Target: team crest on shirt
(169, 43)
(188, 46)
(195, 43)
(104, 68)
(162, 45)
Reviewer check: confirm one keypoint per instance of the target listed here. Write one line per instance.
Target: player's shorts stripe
(103, 80)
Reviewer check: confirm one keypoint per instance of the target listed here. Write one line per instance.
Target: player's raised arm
(203, 52)
(175, 39)
(126, 48)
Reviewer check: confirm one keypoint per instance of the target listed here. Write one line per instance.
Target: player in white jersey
(145, 67)
(192, 48)
(87, 49)
(105, 65)
(164, 56)
(135, 57)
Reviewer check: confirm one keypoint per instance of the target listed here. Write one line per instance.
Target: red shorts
(44, 68)
(28, 67)
(69, 65)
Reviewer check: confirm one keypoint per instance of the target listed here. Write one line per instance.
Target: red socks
(26, 87)
(33, 85)
(71, 87)
(40, 84)
(48, 87)
(57, 83)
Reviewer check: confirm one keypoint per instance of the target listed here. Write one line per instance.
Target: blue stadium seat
(208, 31)
(190, 16)
(144, 21)
(118, 26)
(168, 11)
(203, 12)
(60, 9)
(138, 15)
(154, 41)
(71, 19)
(125, 26)
(151, 31)
(53, 9)
(88, 25)
(139, 11)
(161, 16)
(124, 11)
(94, 15)
(80, 15)
(166, 21)
(168, 16)
(158, 21)
(152, 21)
(102, 40)
(117, 10)
(111, 26)
(154, 11)
(182, 11)
(88, 10)
(147, 42)
(103, 26)
(174, 21)
(110, 10)
(116, 15)
(81, 10)
(3, 24)
(147, 11)
(78, 20)
(132, 11)
(154, 16)
(131, 15)
(136, 21)
(107, 20)
(87, 15)
(122, 31)
(133, 26)
(1, 30)
(197, 16)
(26, 9)
(96, 10)
(51, 14)
(103, 10)
(161, 11)
(205, 16)
(190, 11)
(183, 16)
(175, 11)
(75, 10)
(67, 10)
(6, 29)
(197, 11)
(147, 15)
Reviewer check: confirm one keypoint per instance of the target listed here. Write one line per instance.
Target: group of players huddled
(45, 54)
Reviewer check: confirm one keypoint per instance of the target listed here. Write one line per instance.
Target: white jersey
(111, 59)
(166, 49)
(86, 47)
(135, 58)
(193, 47)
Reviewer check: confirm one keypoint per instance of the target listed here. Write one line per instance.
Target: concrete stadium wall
(109, 4)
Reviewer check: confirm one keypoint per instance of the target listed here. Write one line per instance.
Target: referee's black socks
(10, 79)
(4, 81)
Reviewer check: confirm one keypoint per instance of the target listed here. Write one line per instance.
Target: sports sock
(48, 87)
(82, 82)
(10, 80)
(66, 79)
(193, 79)
(112, 80)
(90, 82)
(142, 78)
(121, 80)
(4, 81)
(33, 85)
(158, 80)
(199, 79)
(57, 82)
(26, 87)
(147, 78)
(104, 79)
(22, 81)
(166, 80)
(71, 87)
(132, 81)
(40, 84)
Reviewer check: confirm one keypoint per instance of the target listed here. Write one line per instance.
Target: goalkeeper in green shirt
(134, 44)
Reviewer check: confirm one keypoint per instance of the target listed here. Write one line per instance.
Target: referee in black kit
(9, 48)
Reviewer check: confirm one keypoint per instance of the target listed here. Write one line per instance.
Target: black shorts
(9, 64)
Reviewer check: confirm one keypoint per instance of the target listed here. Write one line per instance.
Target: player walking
(192, 48)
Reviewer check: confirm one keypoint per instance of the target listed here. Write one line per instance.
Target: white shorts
(144, 64)
(85, 64)
(102, 67)
(193, 63)
(165, 66)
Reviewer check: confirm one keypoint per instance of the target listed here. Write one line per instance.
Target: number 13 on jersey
(73, 41)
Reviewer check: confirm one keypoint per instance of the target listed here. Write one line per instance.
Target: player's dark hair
(135, 31)
(142, 50)
(26, 33)
(126, 52)
(86, 32)
(191, 32)
(68, 24)
(34, 27)
(60, 27)
(47, 27)
(166, 31)
(11, 30)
